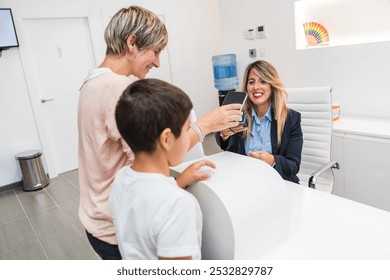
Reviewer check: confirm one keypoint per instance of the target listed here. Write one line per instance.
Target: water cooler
(225, 74)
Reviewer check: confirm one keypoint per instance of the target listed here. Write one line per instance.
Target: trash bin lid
(28, 154)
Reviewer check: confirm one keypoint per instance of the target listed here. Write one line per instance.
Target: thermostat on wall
(250, 34)
(260, 32)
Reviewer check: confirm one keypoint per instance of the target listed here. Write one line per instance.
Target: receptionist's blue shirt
(260, 138)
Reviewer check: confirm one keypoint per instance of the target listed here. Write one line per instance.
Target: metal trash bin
(34, 176)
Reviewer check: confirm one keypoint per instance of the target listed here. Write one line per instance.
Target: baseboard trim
(11, 186)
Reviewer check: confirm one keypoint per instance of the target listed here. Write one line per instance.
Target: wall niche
(344, 22)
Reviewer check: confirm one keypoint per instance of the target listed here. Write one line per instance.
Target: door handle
(46, 100)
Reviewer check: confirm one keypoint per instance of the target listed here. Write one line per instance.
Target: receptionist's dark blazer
(287, 156)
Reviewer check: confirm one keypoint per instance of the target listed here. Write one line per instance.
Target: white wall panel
(193, 28)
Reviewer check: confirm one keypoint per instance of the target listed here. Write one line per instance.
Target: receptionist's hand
(226, 133)
(264, 156)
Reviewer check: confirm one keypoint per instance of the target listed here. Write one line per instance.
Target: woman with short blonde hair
(146, 28)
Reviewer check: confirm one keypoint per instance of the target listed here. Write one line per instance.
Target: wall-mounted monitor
(8, 37)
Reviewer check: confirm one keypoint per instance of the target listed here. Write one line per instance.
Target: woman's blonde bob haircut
(148, 30)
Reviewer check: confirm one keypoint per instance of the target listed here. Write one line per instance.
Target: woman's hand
(226, 133)
(264, 156)
(193, 174)
(220, 118)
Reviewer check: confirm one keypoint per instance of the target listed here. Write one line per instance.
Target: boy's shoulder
(127, 173)
(155, 182)
(153, 189)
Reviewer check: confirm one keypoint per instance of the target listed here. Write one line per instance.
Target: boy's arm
(192, 175)
(180, 229)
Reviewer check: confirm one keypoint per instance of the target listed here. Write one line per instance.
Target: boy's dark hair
(146, 108)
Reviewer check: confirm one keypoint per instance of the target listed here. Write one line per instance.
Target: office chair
(315, 106)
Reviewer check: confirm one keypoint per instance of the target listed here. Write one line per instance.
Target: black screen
(234, 97)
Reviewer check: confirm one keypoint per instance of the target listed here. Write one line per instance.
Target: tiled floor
(44, 224)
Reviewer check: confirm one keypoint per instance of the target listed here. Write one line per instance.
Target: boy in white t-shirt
(153, 217)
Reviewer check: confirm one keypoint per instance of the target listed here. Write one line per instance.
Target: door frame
(96, 31)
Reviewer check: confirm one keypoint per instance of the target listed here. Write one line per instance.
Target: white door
(59, 56)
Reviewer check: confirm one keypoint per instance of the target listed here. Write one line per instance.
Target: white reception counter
(250, 213)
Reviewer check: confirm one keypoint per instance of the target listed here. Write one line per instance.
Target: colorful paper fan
(315, 33)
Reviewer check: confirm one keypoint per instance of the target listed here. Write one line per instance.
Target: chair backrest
(196, 151)
(315, 106)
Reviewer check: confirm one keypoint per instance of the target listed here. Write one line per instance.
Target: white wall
(193, 27)
(17, 125)
(359, 74)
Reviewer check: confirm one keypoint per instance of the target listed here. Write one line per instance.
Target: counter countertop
(326, 226)
(364, 127)
(321, 225)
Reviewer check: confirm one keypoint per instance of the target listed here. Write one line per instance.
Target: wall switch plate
(252, 53)
(250, 34)
(261, 32)
(262, 52)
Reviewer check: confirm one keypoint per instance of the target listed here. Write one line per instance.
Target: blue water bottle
(225, 74)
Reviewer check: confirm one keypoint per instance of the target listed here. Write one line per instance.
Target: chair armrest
(313, 178)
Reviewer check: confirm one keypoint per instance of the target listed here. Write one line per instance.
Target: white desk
(325, 226)
(321, 226)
